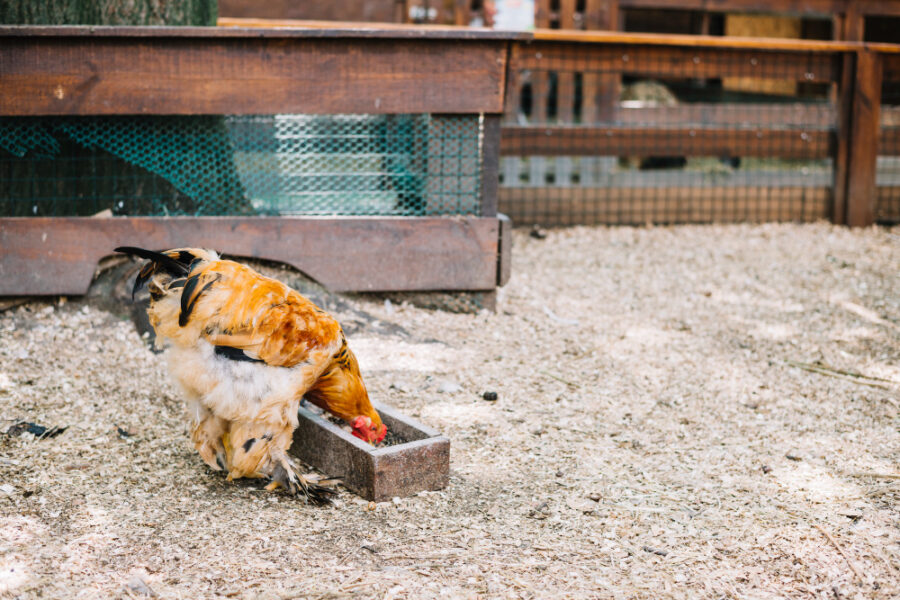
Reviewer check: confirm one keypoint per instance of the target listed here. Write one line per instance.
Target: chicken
(245, 349)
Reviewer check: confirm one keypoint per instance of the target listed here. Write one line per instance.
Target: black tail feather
(166, 262)
(170, 265)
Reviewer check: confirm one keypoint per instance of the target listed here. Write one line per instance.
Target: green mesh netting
(237, 165)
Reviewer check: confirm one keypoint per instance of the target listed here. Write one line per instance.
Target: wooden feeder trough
(421, 462)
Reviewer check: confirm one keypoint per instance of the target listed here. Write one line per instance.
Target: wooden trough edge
(420, 464)
(59, 255)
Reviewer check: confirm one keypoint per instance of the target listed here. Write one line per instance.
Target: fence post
(842, 148)
(863, 144)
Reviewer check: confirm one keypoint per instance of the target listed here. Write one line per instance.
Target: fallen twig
(841, 551)
(875, 475)
(567, 382)
(837, 374)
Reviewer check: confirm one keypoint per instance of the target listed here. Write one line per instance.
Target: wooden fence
(563, 148)
(848, 16)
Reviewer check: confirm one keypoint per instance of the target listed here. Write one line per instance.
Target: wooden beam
(631, 206)
(790, 7)
(819, 116)
(260, 28)
(863, 146)
(692, 41)
(105, 75)
(58, 255)
(678, 62)
(633, 141)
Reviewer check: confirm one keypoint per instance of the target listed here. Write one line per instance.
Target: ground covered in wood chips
(688, 412)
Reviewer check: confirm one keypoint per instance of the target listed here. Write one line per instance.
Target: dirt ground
(687, 412)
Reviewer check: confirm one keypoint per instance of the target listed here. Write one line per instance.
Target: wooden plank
(863, 146)
(490, 170)
(692, 41)
(820, 8)
(678, 62)
(565, 82)
(818, 116)
(624, 141)
(854, 24)
(540, 82)
(601, 14)
(350, 10)
(257, 29)
(513, 86)
(245, 75)
(379, 474)
(58, 255)
(695, 204)
(797, 7)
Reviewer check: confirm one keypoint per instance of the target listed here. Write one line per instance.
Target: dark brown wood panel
(678, 62)
(863, 146)
(82, 75)
(43, 256)
(602, 141)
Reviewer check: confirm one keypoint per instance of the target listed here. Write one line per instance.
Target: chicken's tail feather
(168, 263)
(177, 267)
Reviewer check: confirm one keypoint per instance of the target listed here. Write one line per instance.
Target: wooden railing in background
(844, 126)
(848, 16)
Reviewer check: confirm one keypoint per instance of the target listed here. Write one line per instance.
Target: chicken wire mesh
(416, 164)
(887, 174)
(632, 135)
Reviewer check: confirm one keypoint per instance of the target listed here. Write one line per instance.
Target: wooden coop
(364, 158)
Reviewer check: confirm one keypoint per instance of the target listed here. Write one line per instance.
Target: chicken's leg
(207, 431)
(260, 450)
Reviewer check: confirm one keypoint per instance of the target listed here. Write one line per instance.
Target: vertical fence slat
(863, 149)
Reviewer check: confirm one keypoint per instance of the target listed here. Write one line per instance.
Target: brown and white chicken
(245, 349)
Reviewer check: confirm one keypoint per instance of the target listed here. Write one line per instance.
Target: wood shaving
(663, 419)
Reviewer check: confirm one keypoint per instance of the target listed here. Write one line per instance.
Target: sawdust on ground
(680, 414)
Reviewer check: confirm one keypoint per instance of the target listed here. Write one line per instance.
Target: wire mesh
(887, 174)
(636, 134)
(416, 164)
